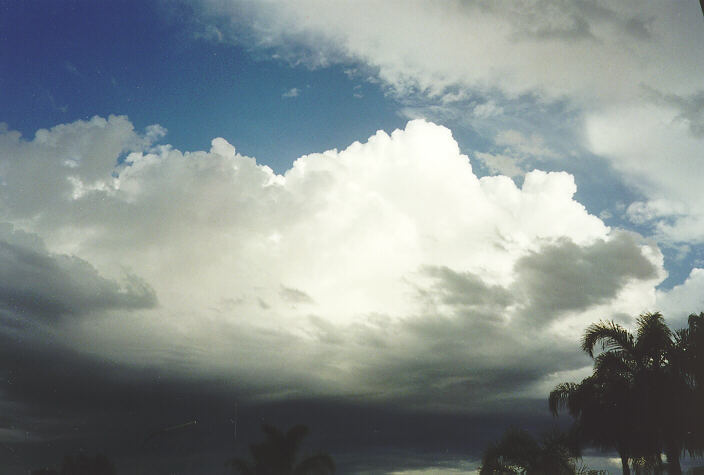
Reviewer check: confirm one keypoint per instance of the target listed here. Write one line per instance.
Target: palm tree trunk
(673, 461)
(624, 465)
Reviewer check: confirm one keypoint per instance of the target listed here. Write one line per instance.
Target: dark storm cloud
(561, 276)
(440, 382)
(474, 361)
(149, 421)
(567, 277)
(464, 289)
(36, 283)
(471, 352)
(67, 401)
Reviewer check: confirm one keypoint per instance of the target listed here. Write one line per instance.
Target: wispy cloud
(293, 92)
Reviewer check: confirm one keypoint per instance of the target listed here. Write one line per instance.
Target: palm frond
(652, 324)
(611, 335)
(560, 397)
(654, 339)
(612, 364)
(696, 321)
(493, 462)
(276, 454)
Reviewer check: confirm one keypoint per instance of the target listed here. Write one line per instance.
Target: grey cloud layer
(566, 277)
(592, 47)
(37, 284)
(558, 277)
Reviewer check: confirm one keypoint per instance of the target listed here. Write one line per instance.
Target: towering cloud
(388, 269)
(617, 69)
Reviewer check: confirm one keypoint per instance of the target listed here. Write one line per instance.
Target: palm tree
(688, 361)
(276, 455)
(639, 399)
(597, 405)
(517, 452)
(656, 386)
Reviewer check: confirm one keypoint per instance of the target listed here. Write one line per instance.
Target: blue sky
(147, 61)
(393, 216)
(157, 63)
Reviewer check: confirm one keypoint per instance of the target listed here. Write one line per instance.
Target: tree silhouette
(598, 404)
(658, 393)
(517, 452)
(276, 455)
(642, 396)
(688, 360)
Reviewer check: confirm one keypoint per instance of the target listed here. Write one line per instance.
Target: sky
(391, 221)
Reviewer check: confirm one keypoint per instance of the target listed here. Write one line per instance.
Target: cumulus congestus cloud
(594, 78)
(387, 270)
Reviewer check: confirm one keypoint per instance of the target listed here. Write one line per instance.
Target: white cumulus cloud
(629, 71)
(387, 269)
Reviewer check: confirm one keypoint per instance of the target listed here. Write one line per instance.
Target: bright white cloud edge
(630, 69)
